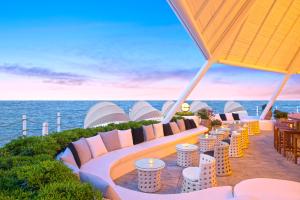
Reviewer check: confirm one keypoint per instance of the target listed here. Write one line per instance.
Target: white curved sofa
(265, 189)
(114, 164)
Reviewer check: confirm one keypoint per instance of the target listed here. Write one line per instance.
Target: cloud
(48, 76)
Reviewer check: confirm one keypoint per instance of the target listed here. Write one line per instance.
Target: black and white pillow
(137, 135)
(167, 129)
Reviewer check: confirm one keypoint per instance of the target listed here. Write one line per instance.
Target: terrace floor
(261, 160)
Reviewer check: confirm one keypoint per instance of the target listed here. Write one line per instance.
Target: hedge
(29, 170)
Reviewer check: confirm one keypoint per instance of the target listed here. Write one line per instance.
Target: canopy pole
(275, 95)
(193, 83)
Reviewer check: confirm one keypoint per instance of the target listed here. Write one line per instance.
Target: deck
(261, 160)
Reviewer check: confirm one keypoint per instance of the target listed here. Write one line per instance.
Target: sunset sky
(110, 50)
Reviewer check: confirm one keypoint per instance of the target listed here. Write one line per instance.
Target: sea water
(73, 113)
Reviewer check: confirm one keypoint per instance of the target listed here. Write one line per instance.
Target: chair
(296, 147)
(235, 147)
(221, 154)
(202, 177)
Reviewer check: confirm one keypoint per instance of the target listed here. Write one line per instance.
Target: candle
(185, 145)
(206, 135)
(151, 161)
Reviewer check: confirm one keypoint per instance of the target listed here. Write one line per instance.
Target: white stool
(187, 155)
(198, 178)
(235, 147)
(221, 154)
(149, 171)
(207, 142)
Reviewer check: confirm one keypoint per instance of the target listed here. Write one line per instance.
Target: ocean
(73, 114)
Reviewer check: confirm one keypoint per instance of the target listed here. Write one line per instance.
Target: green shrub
(216, 122)
(7, 163)
(175, 118)
(185, 113)
(204, 114)
(280, 114)
(28, 169)
(31, 146)
(69, 191)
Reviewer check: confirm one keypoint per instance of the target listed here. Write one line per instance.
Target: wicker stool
(245, 138)
(149, 171)
(187, 155)
(253, 126)
(235, 148)
(207, 142)
(221, 154)
(202, 177)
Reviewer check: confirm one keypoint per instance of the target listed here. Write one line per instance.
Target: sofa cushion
(158, 130)
(174, 127)
(125, 137)
(192, 123)
(148, 132)
(223, 117)
(187, 124)
(229, 117)
(181, 125)
(236, 116)
(81, 151)
(137, 135)
(111, 140)
(67, 157)
(96, 145)
(167, 129)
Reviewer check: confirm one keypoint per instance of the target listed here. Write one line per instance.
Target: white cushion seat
(192, 173)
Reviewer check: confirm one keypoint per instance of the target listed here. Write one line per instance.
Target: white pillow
(229, 117)
(158, 130)
(125, 138)
(96, 145)
(67, 157)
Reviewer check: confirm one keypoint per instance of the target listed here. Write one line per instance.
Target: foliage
(175, 118)
(204, 113)
(280, 114)
(216, 122)
(184, 113)
(28, 169)
(68, 190)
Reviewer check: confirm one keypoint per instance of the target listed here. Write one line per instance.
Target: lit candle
(206, 135)
(151, 161)
(185, 145)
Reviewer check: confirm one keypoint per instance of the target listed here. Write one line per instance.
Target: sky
(113, 50)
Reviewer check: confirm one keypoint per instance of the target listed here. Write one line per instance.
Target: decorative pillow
(158, 130)
(81, 151)
(111, 140)
(167, 129)
(125, 137)
(223, 117)
(236, 116)
(96, 145)
(197, 121)
(192, 123)
(137, 135)
(229, 117)
(174, 128)
(148, 133)
(67, 157)
(181, 125)
(187, 124)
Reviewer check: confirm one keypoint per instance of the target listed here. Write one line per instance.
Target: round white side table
(207, 142)
(149, 171)
(187, 155)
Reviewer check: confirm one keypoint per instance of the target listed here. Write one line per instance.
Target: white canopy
(256, 34)
(103, 113)
(198, 105)
(234, 107)
(142, 110)
(166, 107)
